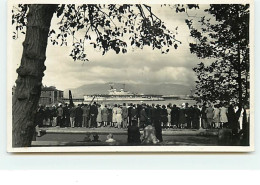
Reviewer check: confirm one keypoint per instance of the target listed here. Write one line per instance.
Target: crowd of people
(150, 118)
(121, 116)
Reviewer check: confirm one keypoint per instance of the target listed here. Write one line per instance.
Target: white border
(130, 149)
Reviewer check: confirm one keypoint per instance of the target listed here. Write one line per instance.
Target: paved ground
(79, 137)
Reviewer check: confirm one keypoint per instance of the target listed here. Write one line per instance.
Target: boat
(121, 95)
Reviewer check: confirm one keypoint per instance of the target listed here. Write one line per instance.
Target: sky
(136, 66)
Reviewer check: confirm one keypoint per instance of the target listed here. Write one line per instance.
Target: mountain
(152, 89)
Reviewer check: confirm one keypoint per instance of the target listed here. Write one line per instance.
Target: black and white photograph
(128, 77)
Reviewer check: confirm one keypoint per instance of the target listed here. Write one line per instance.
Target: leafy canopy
(225, 37)
(106, 27)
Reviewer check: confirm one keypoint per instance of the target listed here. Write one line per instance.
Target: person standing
(40, 116)
(93, 115)
(188, 114)
(124, 115)
(78, 116)
(223, 116)
(59, 116)
(175, 116)
(85, 115)
(110, 114)
(119, 116)
(104, 115)
(232, 121)
(169, 110)
(130, 114)
(52, 114)
(216, 116)
(152, 110)
(99, 117)
(134, 114)
(66, 116)
(72, 116)
(114, 114)
(182, 117)
(47, 115)
(164, 115)
(209, 114)
(196, 117)
(143, 117)
(157, 123)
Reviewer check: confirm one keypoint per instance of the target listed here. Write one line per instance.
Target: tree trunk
(30, 73)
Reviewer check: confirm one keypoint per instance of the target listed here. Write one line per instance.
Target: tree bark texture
(30, 73)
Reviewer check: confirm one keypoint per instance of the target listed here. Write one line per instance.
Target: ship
(121, 95)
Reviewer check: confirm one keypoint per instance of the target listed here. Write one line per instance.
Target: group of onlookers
(152, 118)
(121, 116)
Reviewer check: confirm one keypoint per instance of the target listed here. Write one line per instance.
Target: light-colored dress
(119, 115)
(169, 115)
(223, 115)
(216, 115)
(99, 118)
(114, 110)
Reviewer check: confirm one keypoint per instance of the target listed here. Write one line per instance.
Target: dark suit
(130, 115)
(143, 118)
(93, 115)
(175, 116)
(78, 117)
(157, 124)
(196, 118)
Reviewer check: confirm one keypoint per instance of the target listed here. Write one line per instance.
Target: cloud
(137, 66)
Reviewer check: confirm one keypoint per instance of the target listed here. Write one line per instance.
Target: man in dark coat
(157, 123)
(143, 118)
(148, 113)
(175, 116)
(78, 116)
(93, 115)
(152, 112)
(196, 117)
(39, 116)
(47, 114)
(188, 115)
(133, 133)
(66, 116)
(130, 114)
(134, 113)
(164, 116)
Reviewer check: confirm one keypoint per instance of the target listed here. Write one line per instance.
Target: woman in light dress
(223, 116)
(99, 117)
(119, 116)
(216, 116)
(105, 115)
(114, 115)
(169, 110)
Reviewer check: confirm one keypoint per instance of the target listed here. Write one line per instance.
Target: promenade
(55, 136)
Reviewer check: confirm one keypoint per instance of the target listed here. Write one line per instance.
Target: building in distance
(50, 96)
